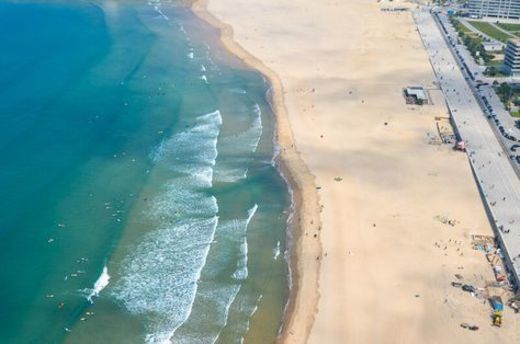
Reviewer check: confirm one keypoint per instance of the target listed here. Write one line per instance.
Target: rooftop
(514, 41)
(417, 92)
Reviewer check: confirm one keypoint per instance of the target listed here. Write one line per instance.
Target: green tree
(491, 71)
(505, 92)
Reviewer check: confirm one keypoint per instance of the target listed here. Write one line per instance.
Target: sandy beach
(372, 260)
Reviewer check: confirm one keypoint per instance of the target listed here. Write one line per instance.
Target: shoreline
(305, 216)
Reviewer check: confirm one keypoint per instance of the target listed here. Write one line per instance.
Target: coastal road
(498, 117)
(498, 182)
(501, 113)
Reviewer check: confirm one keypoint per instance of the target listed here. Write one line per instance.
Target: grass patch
(515, 114)
(472, 41)
(509, 27)
(460, 27)
(490, 30)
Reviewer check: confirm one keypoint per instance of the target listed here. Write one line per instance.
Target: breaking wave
(244, 144)
(99, 285)
(215, 297)
(160, 275)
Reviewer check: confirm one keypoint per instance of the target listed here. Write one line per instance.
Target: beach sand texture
(385, 260)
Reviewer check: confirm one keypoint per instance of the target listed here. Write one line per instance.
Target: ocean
(139, 199)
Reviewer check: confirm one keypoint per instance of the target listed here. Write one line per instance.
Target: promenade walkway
(498, 182)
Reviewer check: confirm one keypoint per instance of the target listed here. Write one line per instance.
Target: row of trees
(491, 71)
(476, 49)
(474, 44)
(507, 94)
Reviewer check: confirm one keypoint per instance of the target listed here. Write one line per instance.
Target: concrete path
(504, 31)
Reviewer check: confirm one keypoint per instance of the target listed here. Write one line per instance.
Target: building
(495, 9)
(492, 46)
(512, 57)
(415, 95)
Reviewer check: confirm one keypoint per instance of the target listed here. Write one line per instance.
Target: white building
(495, 9)
(512, 57)
(416, 95)
(492, 46)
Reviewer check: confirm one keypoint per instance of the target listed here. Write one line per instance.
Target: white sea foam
(238, 90)
(230, 174)
(243, 144)
(193, 151)
(255, 308)
(214, 299)
(241, 271)
(245, 310)
(210, 63)
(276, 152)
(160, 276)
(99, 285)
(202, 68)
(178, 202)
(250, 213)
(250, 138)
(276, 251)
(160, 12)
(253, 311)
(227, 307)
(191, 55)
(256, 128)
(204, 78)
(217, 301)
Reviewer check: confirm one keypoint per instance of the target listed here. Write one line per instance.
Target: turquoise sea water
(138, 198)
